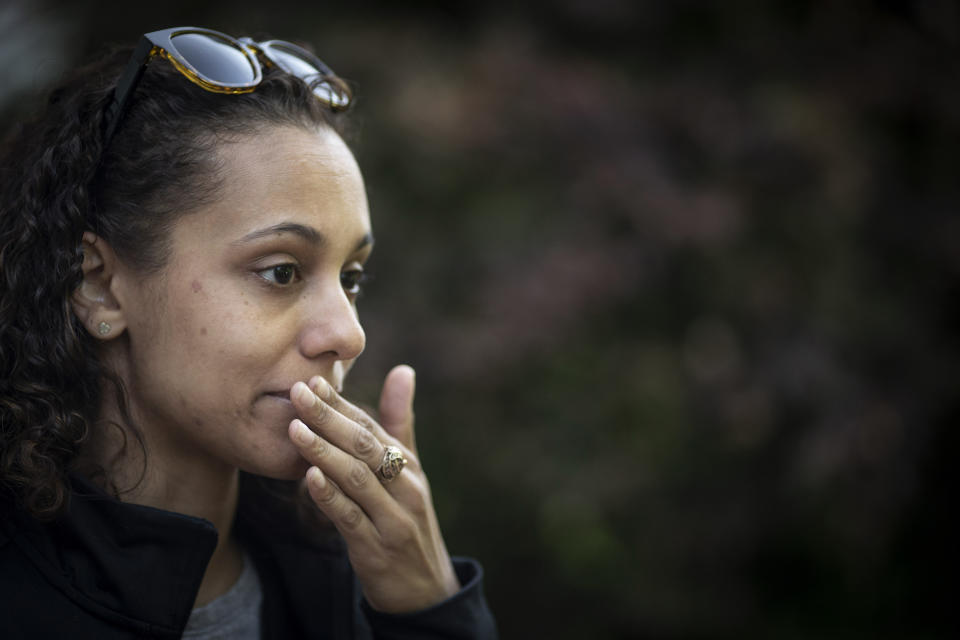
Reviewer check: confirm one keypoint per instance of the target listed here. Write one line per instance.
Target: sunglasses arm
(125, 86)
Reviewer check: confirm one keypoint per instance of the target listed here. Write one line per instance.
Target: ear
(94, 301)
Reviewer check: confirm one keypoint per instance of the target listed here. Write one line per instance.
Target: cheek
(210, 339)
(207, 315)
(201, 354)
(193, 310)
(225, 334)
(189, 341)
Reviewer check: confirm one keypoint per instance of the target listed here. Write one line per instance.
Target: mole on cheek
(203, 331)
(196, 286)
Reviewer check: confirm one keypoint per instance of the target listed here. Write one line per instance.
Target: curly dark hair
(56, 182)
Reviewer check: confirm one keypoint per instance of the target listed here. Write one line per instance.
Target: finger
(345, 433)
(354, 478)
(396, 404)
(352, 523)
(329, 395)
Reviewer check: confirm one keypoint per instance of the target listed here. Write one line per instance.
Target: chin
(284, 464)
(296, 472)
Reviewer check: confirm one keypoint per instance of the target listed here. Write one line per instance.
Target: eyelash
(272, 270)
(352, 279)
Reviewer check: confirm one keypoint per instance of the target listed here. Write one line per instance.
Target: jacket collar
(123, 561)
(141, 567)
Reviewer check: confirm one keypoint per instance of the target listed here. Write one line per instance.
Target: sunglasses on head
(222, 64)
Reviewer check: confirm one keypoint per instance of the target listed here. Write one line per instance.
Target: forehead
(274, 153)
(286, 174)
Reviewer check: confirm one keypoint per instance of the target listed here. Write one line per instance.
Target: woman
(182, 245)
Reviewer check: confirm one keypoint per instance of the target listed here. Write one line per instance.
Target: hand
(391, 530)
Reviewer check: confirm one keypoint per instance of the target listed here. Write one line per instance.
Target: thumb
(396, 404)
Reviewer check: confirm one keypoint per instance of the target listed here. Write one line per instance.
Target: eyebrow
(308, 233)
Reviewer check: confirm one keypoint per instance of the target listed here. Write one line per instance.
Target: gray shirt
(235, 615)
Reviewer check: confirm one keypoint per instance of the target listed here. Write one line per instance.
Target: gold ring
(392, 464)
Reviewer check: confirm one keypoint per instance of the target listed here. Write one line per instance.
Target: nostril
(331, 327)
(331, 341)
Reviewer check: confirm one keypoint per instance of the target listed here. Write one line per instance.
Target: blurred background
(680, 282)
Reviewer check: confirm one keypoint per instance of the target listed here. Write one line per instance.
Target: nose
(332, 328)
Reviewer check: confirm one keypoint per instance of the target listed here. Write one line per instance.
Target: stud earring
(103, 328)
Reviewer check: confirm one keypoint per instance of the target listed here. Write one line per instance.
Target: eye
(281, 274)
(352, 280)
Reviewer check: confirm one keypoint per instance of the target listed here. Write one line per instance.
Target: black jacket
(109, 569)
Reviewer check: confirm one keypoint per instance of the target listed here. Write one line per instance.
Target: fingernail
(315, 476)
(304, 395)
(300, 431)
(317, 383)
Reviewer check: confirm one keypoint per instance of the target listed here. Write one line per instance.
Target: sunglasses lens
(292, 63)
(296, 64)
(216, 60)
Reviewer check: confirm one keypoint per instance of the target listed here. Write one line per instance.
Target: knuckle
(351, 518)
(403, 535)
(321, 412)
(359, 474)
(325, 496)
(366, 422)
(417, 499)
(364, 444)
(420, 505)
(319, 449)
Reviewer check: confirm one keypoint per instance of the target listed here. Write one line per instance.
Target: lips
(284, 394)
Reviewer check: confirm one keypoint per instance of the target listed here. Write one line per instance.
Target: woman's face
(259, 292)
